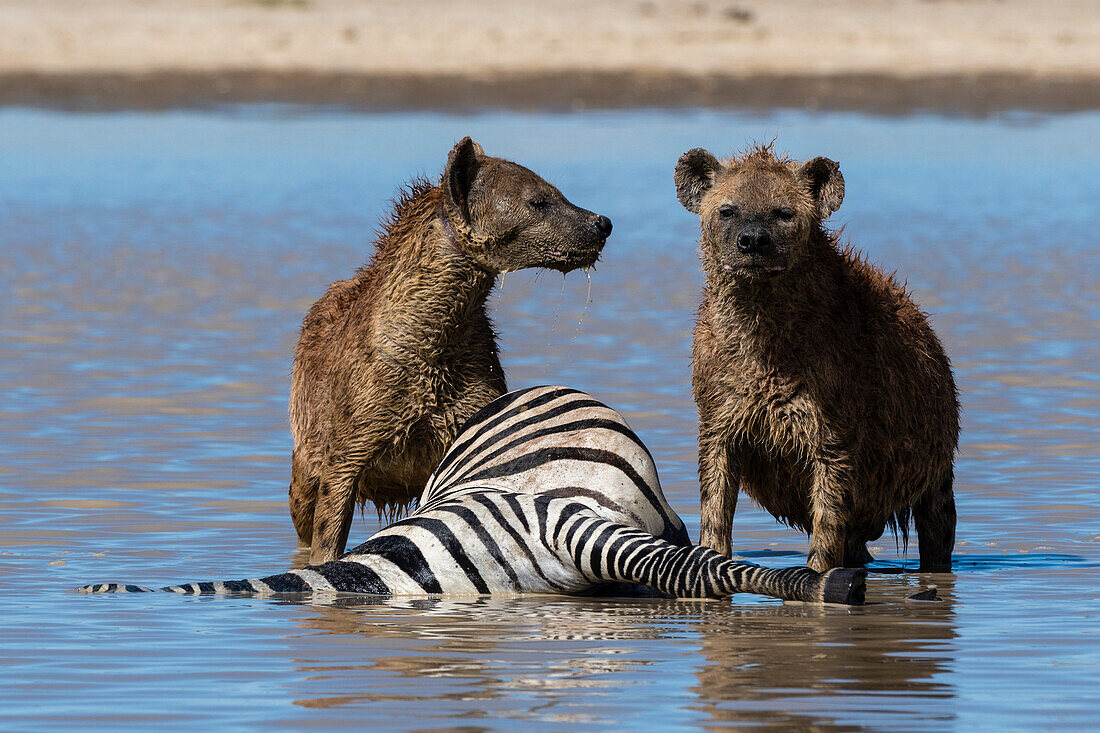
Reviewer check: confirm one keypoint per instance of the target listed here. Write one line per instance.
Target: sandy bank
(975, 55)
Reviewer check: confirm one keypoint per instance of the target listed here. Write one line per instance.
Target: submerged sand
(886, 54)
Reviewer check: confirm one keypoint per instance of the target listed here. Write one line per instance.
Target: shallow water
(154, 269)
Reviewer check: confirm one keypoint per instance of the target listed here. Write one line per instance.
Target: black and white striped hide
(545, 490)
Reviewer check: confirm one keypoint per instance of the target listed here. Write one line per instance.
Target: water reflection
(727, 663)
(769, 668)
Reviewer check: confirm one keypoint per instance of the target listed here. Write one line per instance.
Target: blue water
(154, 270)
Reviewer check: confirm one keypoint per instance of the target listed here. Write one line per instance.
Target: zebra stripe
(545, 490)
(488, 422)
(315, 580)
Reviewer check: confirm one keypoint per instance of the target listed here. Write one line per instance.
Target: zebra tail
(608, 551)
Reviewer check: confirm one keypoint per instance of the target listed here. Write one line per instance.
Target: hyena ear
(825, 182)
(694, 175)
(458, 178)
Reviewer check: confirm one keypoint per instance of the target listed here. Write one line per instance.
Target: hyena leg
(830, 511)
(856, 553)
(717, 495)
(334, 510)
(934, 516)
(303, 497)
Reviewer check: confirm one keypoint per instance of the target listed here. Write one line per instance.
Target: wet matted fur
(822, 390)
(392, 361)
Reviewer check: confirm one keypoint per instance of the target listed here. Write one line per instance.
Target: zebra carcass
(545, 490)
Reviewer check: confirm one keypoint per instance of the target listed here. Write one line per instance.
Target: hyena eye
(539, 204)
(785, 214)
(727, 212)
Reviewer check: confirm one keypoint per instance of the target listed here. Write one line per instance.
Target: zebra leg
(336, 576)
(603, 551)
(113, 588)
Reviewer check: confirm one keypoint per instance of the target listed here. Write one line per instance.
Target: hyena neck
(791, 309)
(434, 294)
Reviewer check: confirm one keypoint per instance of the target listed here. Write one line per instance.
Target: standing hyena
(392, 362)
(822, 390)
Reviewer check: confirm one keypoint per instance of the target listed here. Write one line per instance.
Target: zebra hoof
(844, 585)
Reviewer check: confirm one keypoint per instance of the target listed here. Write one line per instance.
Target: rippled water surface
(154, 270)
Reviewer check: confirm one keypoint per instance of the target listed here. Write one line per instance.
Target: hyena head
(757, 211)
(510, 218)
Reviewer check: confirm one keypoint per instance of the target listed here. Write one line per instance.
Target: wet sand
(975, 57)
(960, 94)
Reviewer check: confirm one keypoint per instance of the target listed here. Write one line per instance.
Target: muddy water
(154, 269)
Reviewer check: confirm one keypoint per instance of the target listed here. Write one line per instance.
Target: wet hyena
(823, 392)
(392, 362)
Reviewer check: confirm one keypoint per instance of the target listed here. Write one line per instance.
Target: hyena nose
(603, 226)
(754, 241)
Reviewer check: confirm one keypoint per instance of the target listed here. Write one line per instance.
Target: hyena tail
(609, 551)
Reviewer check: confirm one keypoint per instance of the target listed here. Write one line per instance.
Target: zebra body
(545, 490)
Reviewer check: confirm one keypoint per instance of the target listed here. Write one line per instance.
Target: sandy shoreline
(969, 56)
